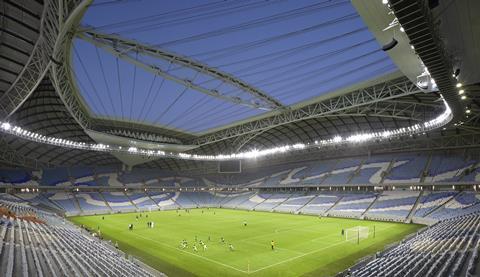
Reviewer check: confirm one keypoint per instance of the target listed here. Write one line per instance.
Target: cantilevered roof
(292, 51)
(375, 101)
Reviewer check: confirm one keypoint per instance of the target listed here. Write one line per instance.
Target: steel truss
(128, 49)
(453, 141)
(52, 26)
(416, 19)
(61, 75)
(381, 100)
(377, 100)
(142, 136)
(11, 156)
(438, 141)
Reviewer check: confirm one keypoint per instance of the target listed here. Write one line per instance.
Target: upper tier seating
(472, 174)
(343, 171)
(407, 168)
(404, 168)
(371, 170)
(15, 176)
(316, 173)
(79, 172)
(447, 168)
(275, 179)
(55, 177)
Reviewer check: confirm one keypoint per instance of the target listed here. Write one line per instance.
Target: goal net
(356, 233)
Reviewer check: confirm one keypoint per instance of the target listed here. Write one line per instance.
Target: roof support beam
(53, 26)
(127, 49)
(417, 21)
(360, 99)
(11, 156)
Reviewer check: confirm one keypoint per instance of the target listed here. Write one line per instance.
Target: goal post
(357, 233)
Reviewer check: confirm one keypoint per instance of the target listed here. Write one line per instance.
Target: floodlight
(390, 45)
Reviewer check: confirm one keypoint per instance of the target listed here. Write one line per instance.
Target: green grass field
(305, 245)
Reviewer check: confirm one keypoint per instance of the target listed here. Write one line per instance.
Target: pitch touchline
(193, 254)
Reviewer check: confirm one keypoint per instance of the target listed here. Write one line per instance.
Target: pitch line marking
(303, 255)
(257, 270)
(193, 254)
(262, 244)
(296, 257)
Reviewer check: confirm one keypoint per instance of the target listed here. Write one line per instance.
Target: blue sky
(292, 50)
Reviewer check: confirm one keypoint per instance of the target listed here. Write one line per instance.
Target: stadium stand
(370, 172)
(351, 112)
(117, 201)
(237, 199)
(164, 200)
(463, 203)
(353, 205)
(92, 202)
(14, 176)
(272, 201)
(55, 177)
(295, 202)
(404, 168)
(445, 249)
(407, 168)
(319, 204)
(431, 201)
(343, 172)
(443, 209)
(56, 248)
(141, 200)
(393, 205)
(67, 201)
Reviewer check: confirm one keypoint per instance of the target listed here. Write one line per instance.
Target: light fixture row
(420, 128)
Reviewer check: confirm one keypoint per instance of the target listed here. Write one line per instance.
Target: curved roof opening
(292, 51)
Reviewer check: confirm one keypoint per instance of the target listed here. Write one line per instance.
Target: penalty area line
(296, 257)
(305, 254)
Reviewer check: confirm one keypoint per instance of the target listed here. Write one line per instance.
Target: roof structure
(285, 74)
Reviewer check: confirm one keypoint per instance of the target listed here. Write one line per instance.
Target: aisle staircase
(414, 208)
(333, 206)
(76, 203)
(105, 200)
(129, 199)
(369, 206)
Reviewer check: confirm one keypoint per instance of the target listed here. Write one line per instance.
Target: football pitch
(304, 245)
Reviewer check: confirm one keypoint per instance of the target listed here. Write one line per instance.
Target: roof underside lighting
(419, 128)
